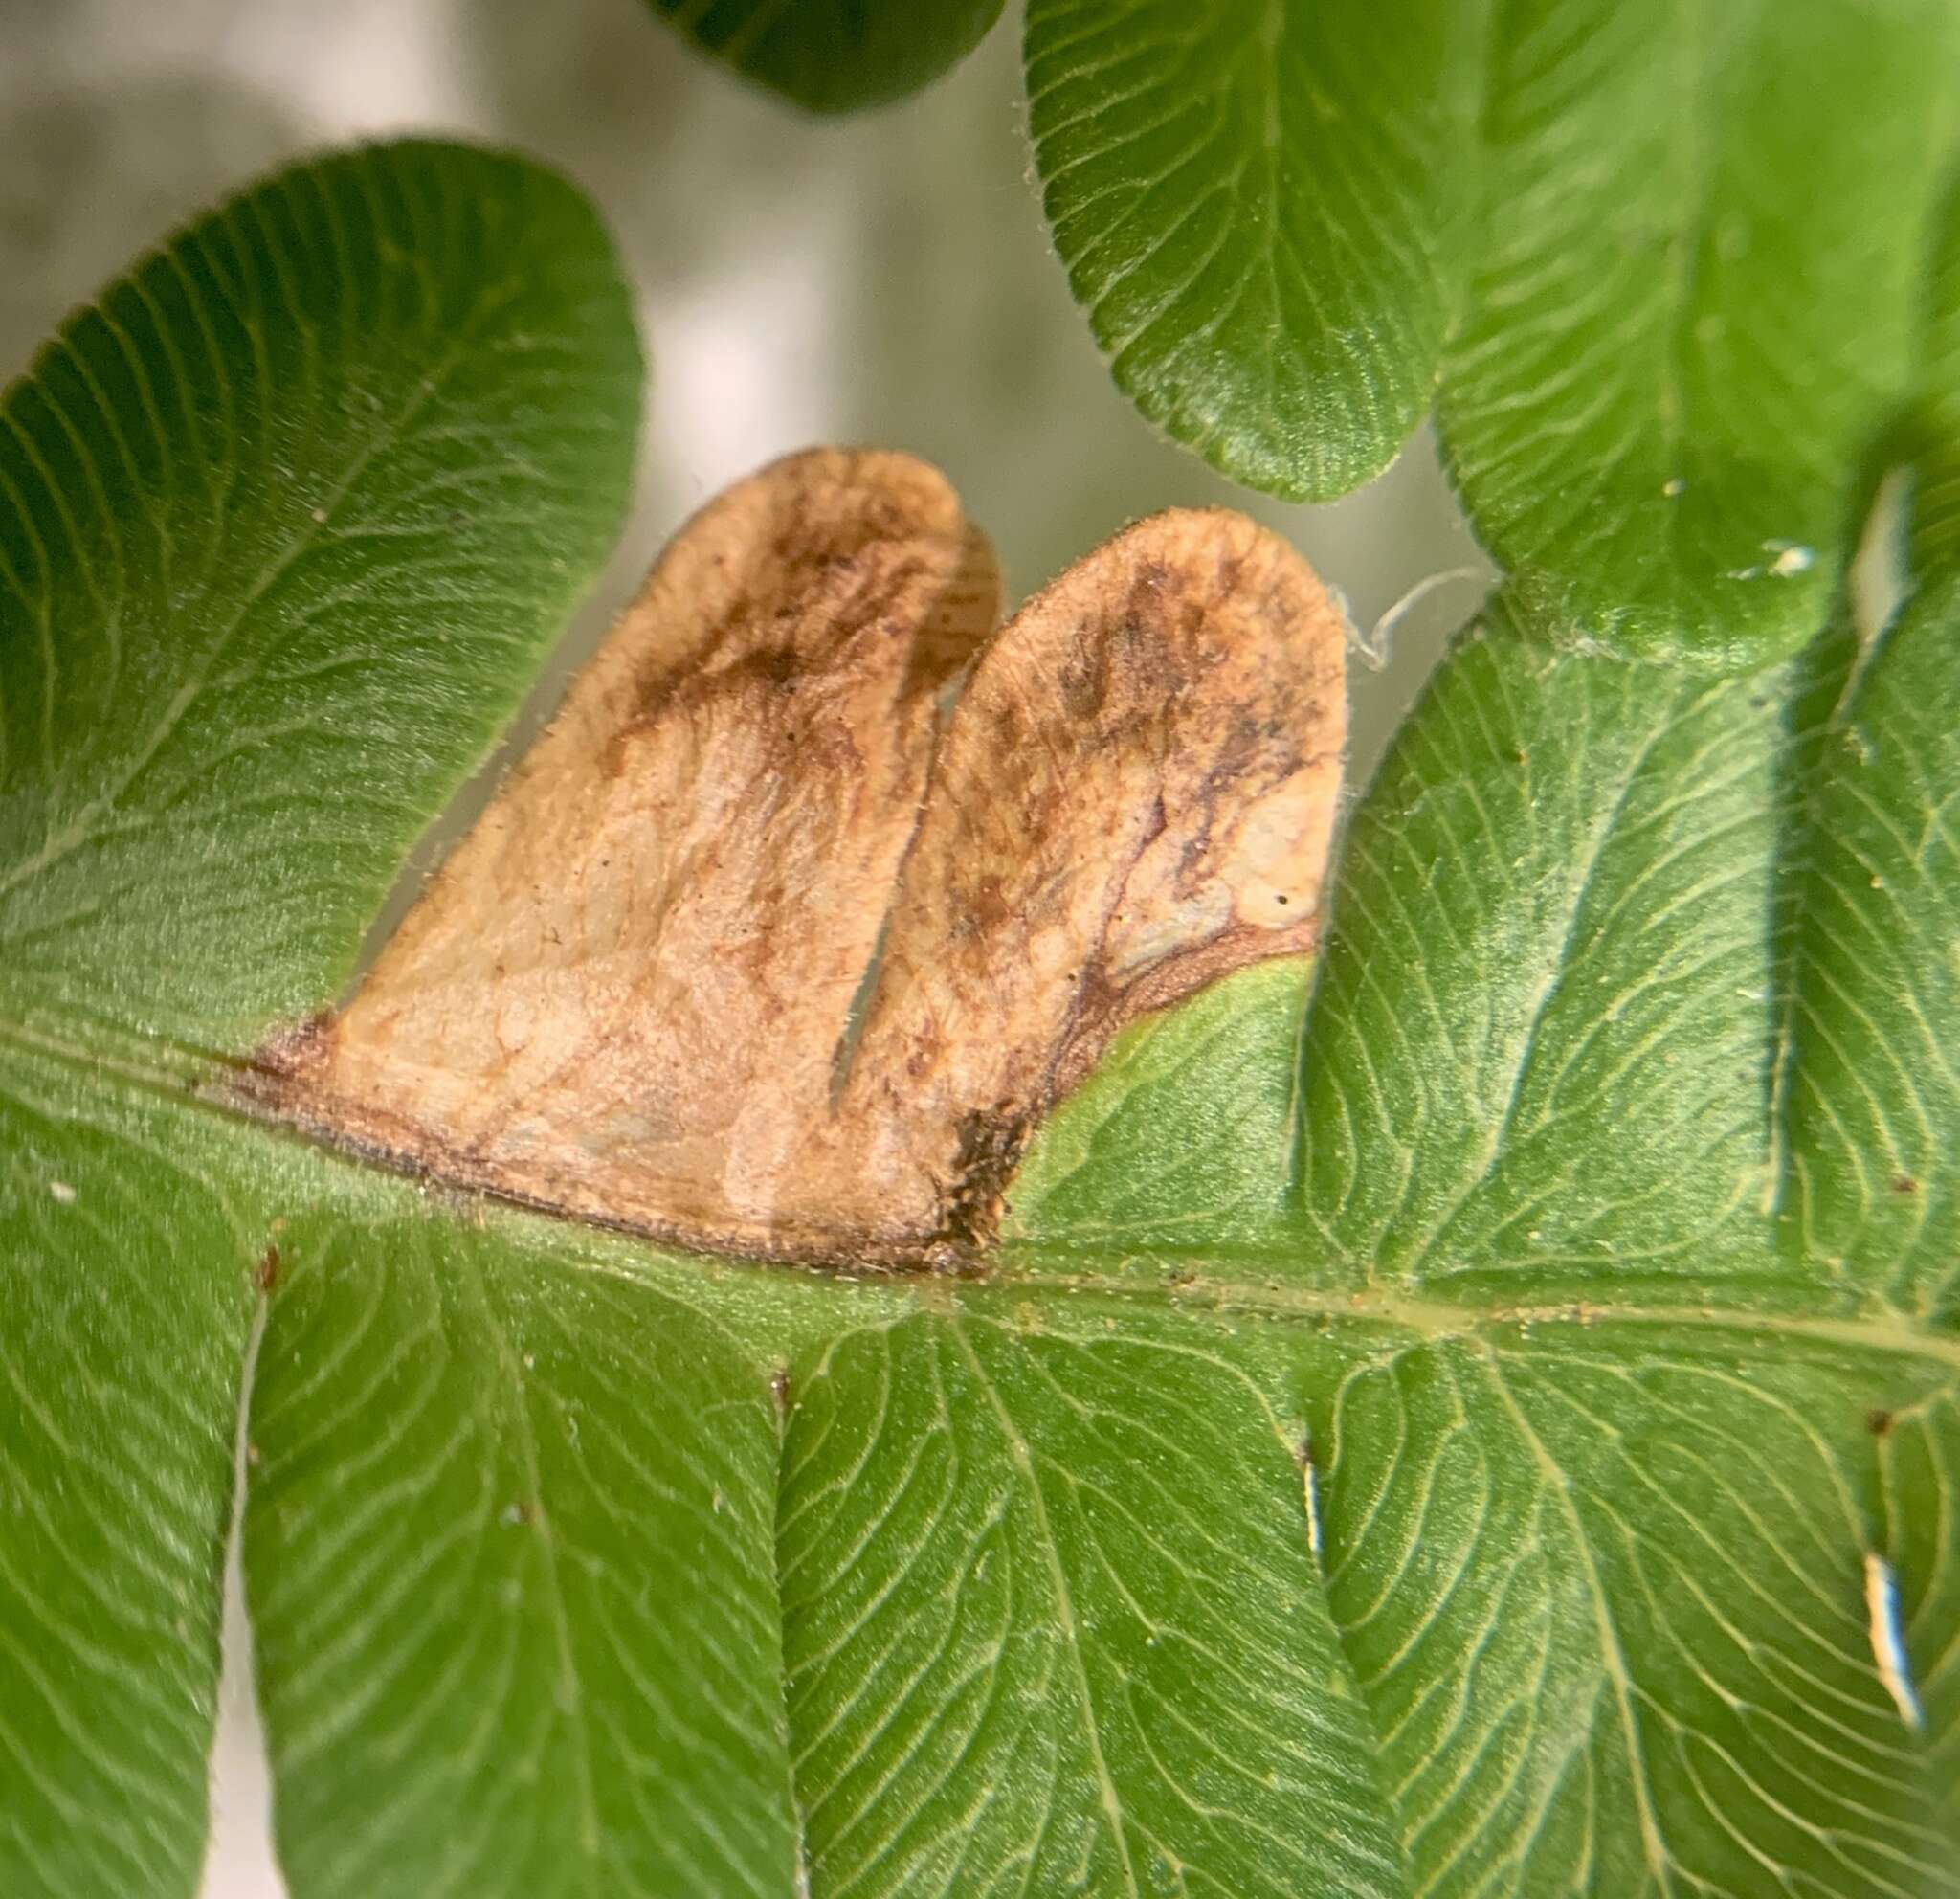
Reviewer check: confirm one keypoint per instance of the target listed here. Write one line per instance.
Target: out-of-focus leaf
(835, 56)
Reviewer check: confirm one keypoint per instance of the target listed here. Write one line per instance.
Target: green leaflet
(1693, 311)
(836, 56)
(1179, 1144)
(1540, 1036)
(1430, 1430)
(287, 519)
(511, 1552)
(1256, 203)
(1667, 259)
(125, 1259)
(1604, 1588)
(1870, 1190)
(1107, 1617)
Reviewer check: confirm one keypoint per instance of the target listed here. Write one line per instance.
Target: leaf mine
(753, 951)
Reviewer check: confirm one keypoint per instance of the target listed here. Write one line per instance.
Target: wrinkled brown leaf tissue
(757, 951)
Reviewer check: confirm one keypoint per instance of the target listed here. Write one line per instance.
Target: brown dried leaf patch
(632, 993)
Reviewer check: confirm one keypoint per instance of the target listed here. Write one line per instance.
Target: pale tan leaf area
(760, 949)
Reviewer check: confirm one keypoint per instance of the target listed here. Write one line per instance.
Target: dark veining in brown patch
(627, 995)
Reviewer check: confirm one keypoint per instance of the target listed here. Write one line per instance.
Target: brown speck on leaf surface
(753, 952)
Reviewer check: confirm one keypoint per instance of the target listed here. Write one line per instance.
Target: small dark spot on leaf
(779, 1390)
(1905, 1183)
(1878, 1421)
(989, 1148)
(267, 1273)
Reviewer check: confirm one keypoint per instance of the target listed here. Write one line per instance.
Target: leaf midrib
(1223, 1285)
